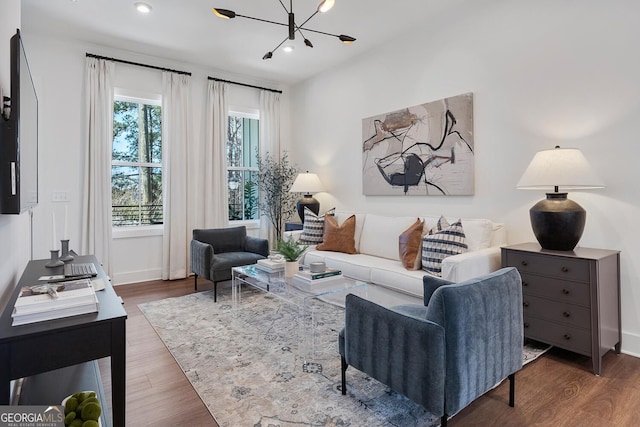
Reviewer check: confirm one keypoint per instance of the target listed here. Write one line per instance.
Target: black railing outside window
(127, 216)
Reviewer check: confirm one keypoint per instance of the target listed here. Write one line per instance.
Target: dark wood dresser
(571, 299)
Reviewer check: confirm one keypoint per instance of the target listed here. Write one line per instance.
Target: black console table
(32, 349)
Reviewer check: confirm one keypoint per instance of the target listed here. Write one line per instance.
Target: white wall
(15, 235)
(58, 69)
(542, 73)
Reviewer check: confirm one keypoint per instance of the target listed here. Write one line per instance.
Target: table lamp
(557, 221)
(307, 183)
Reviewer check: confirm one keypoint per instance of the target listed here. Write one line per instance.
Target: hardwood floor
(558, 389)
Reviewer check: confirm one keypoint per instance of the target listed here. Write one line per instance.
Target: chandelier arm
(321, 32)
(281, 43)
(308, 19)
(262, 20)
(285, 7)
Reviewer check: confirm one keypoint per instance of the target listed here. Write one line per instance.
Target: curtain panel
(269, 143)
(176, 90)
(96, 195)
(215, 195)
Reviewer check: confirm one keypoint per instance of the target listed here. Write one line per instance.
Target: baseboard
(631, 344)
(136, 276)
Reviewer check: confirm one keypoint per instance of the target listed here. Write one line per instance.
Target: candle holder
(55, 262)
(66, 256)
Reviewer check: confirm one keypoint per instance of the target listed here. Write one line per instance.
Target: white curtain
(96, 197)
(216, 200)
(175, 141)
(269, 143)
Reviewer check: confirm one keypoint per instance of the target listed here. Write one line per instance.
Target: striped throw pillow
(437, 245)
(313, 227)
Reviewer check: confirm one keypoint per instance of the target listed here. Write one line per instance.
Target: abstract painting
(423, 150)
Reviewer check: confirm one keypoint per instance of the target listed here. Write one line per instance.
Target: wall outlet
(60, 196)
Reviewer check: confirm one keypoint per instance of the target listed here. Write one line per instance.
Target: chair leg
(215, 291)
(344, 366)
(195, 282)
(443, 421)
(512, 390)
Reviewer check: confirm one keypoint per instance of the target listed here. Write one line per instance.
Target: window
(242, 166)
(136, 162)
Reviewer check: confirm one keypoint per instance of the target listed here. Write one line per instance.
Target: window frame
(245, 113)
(119, 232)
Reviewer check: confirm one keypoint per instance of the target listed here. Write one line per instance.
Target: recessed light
(142, 7)
(288, 48)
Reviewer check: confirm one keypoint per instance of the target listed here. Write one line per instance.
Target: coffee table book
(270, 266)
(73, 298)
(307, 274)
(307, 284)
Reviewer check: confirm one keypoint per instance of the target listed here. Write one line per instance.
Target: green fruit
(81, 396)
(91, 399)
(90, 423)
(70, 405)
(70, 417)
(91, 411)
(92, 394)
(76, 423)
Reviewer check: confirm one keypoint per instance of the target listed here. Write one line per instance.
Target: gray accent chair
(466, 339)
(215, 251)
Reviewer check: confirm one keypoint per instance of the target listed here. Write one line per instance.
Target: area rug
(247, 366)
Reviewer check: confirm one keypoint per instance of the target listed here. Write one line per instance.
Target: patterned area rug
(247, 367)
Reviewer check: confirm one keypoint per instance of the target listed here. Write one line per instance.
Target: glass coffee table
(276, 284)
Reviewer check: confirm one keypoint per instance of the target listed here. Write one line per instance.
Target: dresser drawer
(552, 266)
(564, 336)
(556, 311)
(560, 290)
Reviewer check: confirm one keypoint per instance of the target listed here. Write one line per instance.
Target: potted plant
(275, 178)
(291, 251)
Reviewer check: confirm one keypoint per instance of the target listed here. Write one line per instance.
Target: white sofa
(378, 260)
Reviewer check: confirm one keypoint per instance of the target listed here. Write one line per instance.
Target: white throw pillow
(380, 235)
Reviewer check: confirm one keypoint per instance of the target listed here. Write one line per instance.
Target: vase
(291, 268)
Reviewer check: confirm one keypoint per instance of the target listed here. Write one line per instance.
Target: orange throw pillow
(410, 245)
(339, 238)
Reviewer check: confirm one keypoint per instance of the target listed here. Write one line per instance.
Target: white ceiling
(188, 31)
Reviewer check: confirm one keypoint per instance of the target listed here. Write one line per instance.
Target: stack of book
(270, 266)
(53, 301)
(308, 281)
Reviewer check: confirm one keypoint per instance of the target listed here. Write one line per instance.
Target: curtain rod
(91, 55)
(244, 84)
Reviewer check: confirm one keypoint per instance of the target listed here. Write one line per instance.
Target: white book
(24, 319)
(35, 299)
(310, 285)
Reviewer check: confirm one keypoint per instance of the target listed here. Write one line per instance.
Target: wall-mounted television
(19, 137)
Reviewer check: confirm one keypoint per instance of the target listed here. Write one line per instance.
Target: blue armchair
(466, 338)
(215, 251)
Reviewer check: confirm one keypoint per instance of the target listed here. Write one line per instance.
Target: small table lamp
(307, 183)
(557, 221)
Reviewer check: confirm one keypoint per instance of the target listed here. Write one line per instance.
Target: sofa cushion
(341, 216)
(380, 235)
(313, 227)
(338, 238)
(441, 244)
(410, 246)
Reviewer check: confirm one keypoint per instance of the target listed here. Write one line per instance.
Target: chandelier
(294, 28)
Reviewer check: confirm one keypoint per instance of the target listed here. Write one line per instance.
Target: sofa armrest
(295, 234)
(257, 245)
(430, 284)
(201, 257)
(458, 268)
(403, 352)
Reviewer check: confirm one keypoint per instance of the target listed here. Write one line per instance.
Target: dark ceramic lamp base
(309, 202)
(557, 222)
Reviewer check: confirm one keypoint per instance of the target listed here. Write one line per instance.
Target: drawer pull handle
(567, 337)
(525, 304)
(525, 284)
(526, 325)
(565, 269)
(566, 314)
(525, 263)
(565, 291)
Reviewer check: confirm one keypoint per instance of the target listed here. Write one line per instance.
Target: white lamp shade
(306, 183)
(566, 168)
